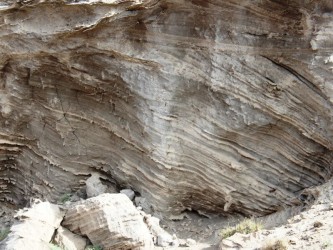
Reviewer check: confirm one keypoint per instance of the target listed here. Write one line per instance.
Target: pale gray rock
(160, 236)
(164, 240)
(213, 106)
(110, 221)
(34, 227)
(68, 240)
(190, 242)
(129, 193)
(94, 186)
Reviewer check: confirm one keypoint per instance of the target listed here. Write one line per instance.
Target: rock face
(34, 227)
(215, 106)
(110, 221)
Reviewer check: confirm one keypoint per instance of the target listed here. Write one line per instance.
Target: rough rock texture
(110, 221)
(94, 186)
(34, 227)
(69, 241)
(218, 106)
(311, 229)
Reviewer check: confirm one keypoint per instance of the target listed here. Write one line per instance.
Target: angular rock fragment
(160, 236)
(68, 240)
(129, 193)
(94, 186)
(34, 227)
(110, 221)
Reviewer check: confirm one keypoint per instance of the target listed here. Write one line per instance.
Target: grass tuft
(64, 198)
(244, 227)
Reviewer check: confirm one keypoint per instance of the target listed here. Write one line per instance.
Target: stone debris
(190, 242)
(94, 186)
(129, 193)
(160, 236)
(110, 221)
(68, 240)
(34, 227)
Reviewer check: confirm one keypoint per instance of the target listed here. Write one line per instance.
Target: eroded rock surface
(34, 227)
(110, 221)
(214, 106)
(69, 241)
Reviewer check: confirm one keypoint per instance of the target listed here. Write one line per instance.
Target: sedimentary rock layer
(218, 106)
(110, 221)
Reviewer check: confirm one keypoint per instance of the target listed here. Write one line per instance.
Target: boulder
(110, 221)
(94, 186)
(129, 193)
(34, 227)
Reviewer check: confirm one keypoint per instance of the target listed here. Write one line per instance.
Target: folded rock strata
(214, 106)
(110, 221)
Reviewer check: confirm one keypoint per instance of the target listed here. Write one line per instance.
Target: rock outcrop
(310, 229)
(110, 221)
(34, 227)
(214, 106)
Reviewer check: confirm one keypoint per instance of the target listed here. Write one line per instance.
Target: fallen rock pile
(34, 227)
(109, 221)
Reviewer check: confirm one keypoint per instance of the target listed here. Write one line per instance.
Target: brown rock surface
(214, 106)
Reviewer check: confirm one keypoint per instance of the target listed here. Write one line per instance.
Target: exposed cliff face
(218, 106)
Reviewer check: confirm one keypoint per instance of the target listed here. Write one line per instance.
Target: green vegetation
(94, 248)
(245, 227)
(4, 233)
(54, 247)
(64, 198)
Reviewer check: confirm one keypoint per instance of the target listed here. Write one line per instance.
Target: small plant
(4, 233)
(64, 198)
(275, 245)
(245, 227)
(54, 247)
(94, 248)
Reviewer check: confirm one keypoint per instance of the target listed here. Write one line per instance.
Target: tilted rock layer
(216, 106)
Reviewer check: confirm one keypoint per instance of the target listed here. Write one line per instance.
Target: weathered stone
(129, 193)
(68, 240)
(110, 221)
(94, 186)
(215, 106)
(190, 242)
(160, 236)
(34, 227)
